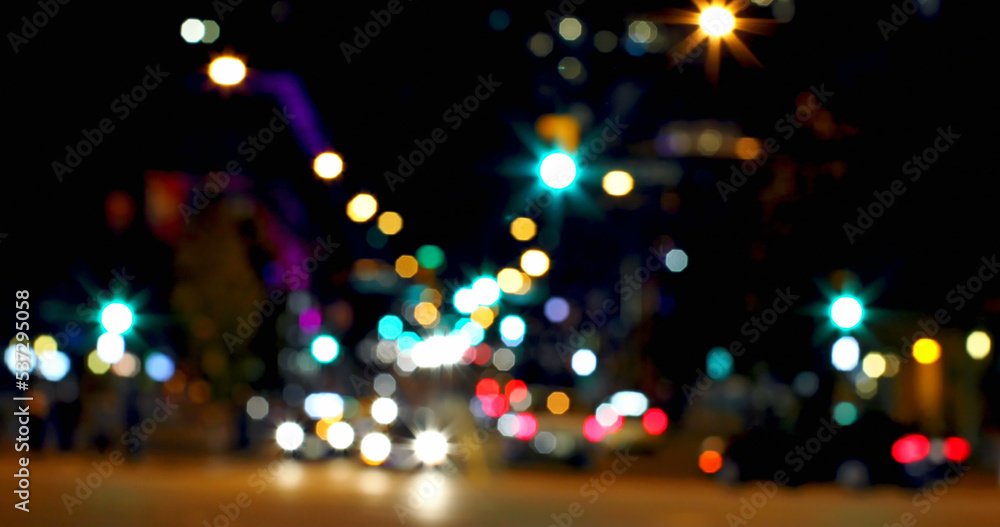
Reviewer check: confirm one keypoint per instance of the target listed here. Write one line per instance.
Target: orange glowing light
(747, 148)
(716, 22)
(710, 462)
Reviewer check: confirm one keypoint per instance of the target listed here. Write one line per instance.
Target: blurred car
(563, 427)
(874, 450)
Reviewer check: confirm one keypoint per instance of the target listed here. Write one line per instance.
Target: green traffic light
(846, 312)
(116, 318)
(557, 170)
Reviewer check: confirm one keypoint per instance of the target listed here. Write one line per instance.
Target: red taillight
(654, 421)
(487, 387)
(516, 391)
(911, 448)
(957, 449)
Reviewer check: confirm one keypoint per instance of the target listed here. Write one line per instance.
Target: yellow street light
(362, 208)
(227, 71)
(328, 165)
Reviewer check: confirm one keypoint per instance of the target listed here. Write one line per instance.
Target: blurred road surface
(161, 492)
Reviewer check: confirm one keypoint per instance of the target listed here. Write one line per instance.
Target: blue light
(406, 341)
(512, 328)
(475, 332)
(390, 327)
(557, 170)
(556, 309)
(11, 358)
(54, 366)
(719, 363)
(636, 49)
(159, 367)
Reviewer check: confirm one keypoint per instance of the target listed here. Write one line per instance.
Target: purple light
(272, 273)
(292, 95)
(310, 320)
(556, 309)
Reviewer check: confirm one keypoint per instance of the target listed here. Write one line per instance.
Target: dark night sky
(930, 74)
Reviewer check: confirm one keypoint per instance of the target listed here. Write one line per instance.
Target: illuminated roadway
(186, 492)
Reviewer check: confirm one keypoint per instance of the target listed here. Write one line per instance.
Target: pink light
(494, 405)
(616, 426)
(527, 426)
(593, 430)
(310, 320)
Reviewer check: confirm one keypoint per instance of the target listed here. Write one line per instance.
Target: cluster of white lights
(440, 350)
(632, 404)
(194, 31)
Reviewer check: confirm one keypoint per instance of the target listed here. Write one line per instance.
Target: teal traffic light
(325, 348)
(117, 318)
(846, 312)
(557, 170)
